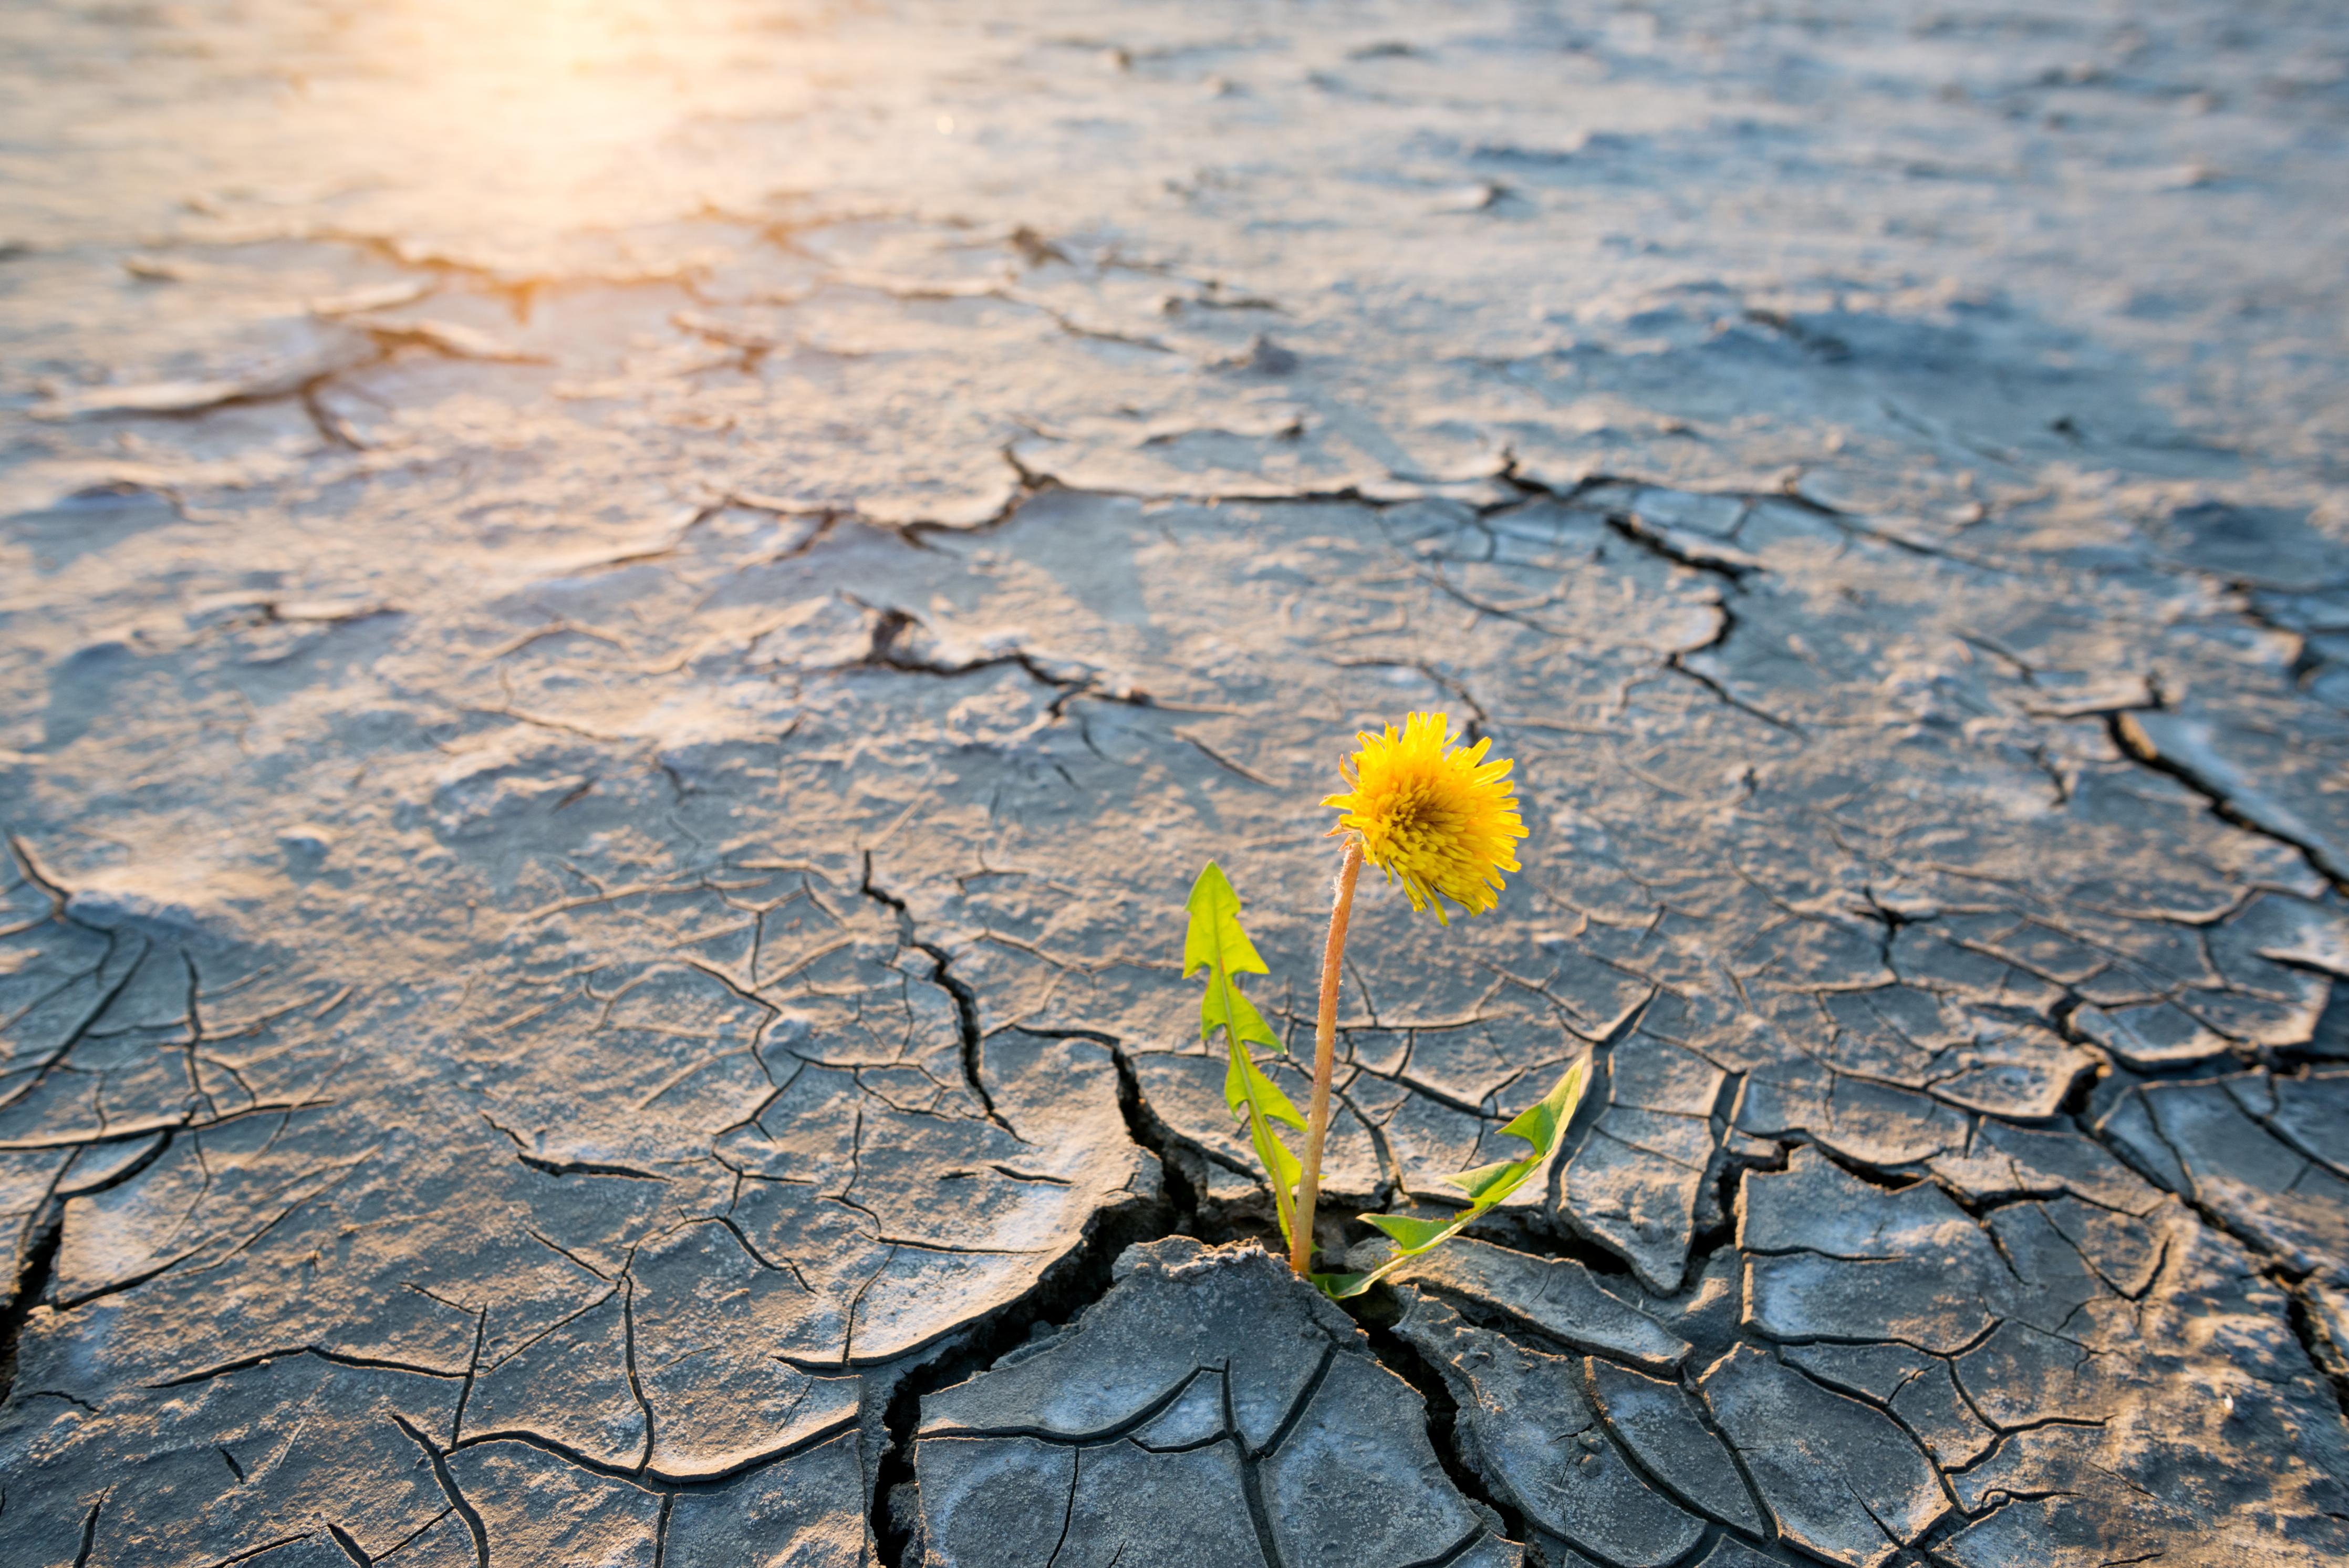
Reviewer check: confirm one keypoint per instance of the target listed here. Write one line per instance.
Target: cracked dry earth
(624, 626)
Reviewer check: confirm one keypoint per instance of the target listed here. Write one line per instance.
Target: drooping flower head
(1439, 819)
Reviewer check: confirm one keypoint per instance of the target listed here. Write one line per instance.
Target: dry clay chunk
(1211, 1408)
(1845, 1482)
(1530, 1428)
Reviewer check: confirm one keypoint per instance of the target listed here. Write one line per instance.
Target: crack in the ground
(1375, 1313)
(2331, 1360)
(1059, 1295)
(1659, 542)
(966, 1000)
(522, 290)
(1677, 662)
(2131, 738)
(1703, 374)
(43, 1233)
(1733, 576)
(1065, 1292)
(2325, 1359)
(888, 650)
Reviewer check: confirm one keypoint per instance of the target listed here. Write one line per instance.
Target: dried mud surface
(621, 626)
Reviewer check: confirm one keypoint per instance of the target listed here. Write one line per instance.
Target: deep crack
(2133, 743)
(965, 1001)
(43, 1231)
(1058, 1298)
(1375, 1313)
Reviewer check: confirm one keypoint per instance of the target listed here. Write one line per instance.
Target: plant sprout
(1443, 822)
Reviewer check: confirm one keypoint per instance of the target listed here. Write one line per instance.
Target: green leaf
(1214, 941)
(1225, 1007)
(1413, 1235)
(1245, 1081)
(1499, 1180)
(1274, 1155)
(1216, 937)
(1540, 1124)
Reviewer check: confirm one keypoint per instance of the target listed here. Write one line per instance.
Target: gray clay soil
(622, 625)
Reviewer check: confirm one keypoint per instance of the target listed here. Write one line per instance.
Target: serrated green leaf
(1275, 1157)
(1423, 1237)
(1488, 1184)
(1337, 1287)
(1223, 1007)
(1540, 1125)
(1242, 1074)
(1413, 1235)
(1215, 936)
(1215, 941)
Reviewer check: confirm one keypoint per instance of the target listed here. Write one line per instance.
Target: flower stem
(1325, 1062)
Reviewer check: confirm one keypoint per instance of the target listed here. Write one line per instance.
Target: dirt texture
(621, 626)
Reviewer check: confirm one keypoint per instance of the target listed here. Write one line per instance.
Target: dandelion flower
(1443, 822)
(1439, 819)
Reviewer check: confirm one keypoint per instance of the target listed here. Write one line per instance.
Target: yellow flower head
(1439, 820)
